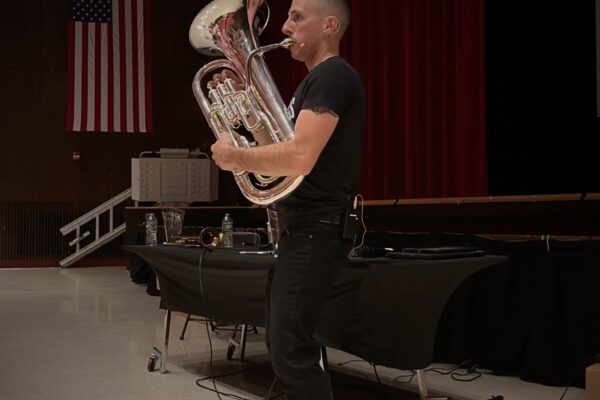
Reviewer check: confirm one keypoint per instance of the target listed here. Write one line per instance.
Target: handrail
(487, 199)
(107, 205)
(75, 226)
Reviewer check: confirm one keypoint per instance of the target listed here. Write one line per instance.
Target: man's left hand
(223, 152)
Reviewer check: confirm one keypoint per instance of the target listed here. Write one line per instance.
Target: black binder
(436, 253)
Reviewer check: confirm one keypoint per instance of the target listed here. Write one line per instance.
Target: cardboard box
(592, 382)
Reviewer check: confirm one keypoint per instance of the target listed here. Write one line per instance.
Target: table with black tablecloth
(384, 311)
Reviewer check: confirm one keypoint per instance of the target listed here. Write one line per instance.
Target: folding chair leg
(323, 362)
(243, 337)
(159, 355)
(187, 319)
(233, 343)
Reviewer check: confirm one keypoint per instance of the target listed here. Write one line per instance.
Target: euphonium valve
(244, 101)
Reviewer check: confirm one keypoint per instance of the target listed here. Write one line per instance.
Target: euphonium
(249, 107)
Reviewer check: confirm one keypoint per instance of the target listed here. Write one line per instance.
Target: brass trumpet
(209, 238)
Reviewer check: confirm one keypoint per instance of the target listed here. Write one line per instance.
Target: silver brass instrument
(253, 113)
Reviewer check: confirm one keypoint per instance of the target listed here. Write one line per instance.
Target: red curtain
(422, 64)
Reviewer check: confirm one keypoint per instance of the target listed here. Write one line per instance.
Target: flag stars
(91, 10)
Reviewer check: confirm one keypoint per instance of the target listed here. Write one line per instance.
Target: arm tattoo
(323, 110)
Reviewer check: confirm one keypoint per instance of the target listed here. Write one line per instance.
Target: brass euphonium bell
(248, 107)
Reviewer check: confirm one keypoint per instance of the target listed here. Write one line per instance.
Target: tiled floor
(87, 334)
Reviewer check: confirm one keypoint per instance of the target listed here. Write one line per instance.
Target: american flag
(109, 66)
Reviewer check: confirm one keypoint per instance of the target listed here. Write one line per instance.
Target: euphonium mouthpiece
(286, 43)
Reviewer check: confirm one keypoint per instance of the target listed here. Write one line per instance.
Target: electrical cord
(470, 365)
(360, 387)
(200, 272)
(348, 362)
(213, 376)
(588, 361)
(364, 226)
(409, 376)
(378, 380)
(351, 361)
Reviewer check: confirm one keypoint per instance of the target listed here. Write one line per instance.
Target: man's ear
(332, 25)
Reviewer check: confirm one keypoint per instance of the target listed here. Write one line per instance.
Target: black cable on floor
(409, 376)
(348, 362)
(587, 362)
(469, 376)
(213, 376)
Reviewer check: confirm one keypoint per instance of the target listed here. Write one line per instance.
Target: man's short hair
(339, 8)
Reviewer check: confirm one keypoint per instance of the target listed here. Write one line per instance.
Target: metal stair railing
(98, 241)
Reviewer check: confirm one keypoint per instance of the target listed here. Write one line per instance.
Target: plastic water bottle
(227, 229)
(151, 229)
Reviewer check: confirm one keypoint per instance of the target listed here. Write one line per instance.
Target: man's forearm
(280, 159)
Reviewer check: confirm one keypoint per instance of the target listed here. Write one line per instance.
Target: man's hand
(222, 76)
(224, 152)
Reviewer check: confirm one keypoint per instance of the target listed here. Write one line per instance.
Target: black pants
(308, 261)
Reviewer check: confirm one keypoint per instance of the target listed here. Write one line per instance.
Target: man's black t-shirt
(334, 87)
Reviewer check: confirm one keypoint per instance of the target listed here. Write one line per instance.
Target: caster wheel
(151, 364)
(230, 351)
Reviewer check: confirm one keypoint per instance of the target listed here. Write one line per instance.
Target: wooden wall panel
(62, 178)
(19, 127)
(53, 30)
(20, 39)
(54, 145)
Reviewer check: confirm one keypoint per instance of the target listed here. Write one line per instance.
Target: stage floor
(87, 333)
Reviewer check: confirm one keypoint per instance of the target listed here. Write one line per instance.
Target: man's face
(304, 26)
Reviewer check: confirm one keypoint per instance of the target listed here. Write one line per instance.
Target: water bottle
(151, 229)
(227, 229)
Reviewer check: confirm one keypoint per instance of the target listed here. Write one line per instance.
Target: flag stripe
(109, 75)
(116, 28)
(83, 78)
(128, 68)
(97, 74)
(110, 79)
(104, 79)
(122, 68)
(90, 76)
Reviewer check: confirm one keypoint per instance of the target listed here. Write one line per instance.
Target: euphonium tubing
(253, 114)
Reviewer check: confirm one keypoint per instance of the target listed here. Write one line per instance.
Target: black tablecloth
(381, 310)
